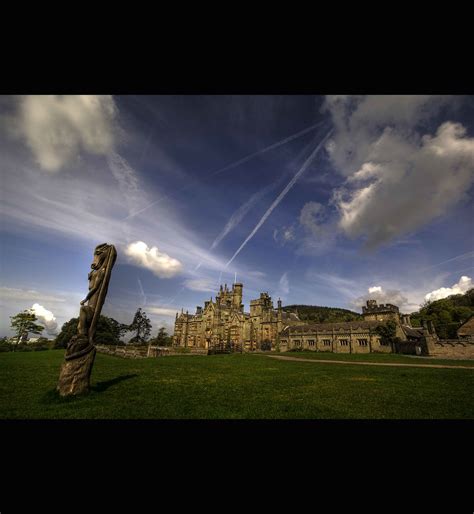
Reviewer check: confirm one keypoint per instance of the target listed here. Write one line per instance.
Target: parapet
(372, 307)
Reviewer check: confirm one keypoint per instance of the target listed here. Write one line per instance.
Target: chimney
(431, 327)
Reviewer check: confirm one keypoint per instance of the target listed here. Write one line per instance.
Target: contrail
(268, 148)
(282, 195)
(457, 258)
(233, 165)
(237, 217)
(142, 291)
(239, 214)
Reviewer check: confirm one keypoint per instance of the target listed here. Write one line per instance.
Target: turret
(237, 295)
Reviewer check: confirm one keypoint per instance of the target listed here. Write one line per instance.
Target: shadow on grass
(52, 396)
(103, 386)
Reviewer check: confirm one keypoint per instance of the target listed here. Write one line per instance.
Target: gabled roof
(467, 328)
(414, 332)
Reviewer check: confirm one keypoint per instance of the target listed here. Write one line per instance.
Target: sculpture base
(75, 374)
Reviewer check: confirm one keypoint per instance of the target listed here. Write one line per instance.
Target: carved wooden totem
(80, 352)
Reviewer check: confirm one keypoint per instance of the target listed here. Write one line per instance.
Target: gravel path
(361, 363)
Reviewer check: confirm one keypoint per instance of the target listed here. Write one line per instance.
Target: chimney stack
(431, 327)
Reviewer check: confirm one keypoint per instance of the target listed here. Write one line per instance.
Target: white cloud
(463, 285)
(397, 178)
(375, 289)
(13, 293)
(163, 311)
(161, 264)
(127, 179)
(201, 284)
(393, 296)
(284, 235)
(283, 285)
(58, 127)
(46, 318)
(310, 217)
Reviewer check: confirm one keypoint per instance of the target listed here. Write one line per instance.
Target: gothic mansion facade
(223, 323)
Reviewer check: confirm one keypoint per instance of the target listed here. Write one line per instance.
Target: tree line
(108, 331)
(447, 314)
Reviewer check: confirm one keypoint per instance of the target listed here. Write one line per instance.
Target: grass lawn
(233, 386)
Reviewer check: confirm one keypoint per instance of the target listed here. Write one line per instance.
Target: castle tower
(237, 296)
(374, 312)
(279, 323)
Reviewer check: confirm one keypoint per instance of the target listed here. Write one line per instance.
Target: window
(326, 342)
(283, 341)
(297, 342)
(311, 342)
(362, 342)
(344, 342)
(383, 342)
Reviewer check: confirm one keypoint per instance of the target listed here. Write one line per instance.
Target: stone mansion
(223, 323)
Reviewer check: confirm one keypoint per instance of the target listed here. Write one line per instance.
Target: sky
(319, 200)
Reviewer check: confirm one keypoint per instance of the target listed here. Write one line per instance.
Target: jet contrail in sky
(142, 291)
(282, 195)
(234, 165)
(267, 149)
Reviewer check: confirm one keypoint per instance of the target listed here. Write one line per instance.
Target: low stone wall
(127, 351)
(144, 351)
(454, 348)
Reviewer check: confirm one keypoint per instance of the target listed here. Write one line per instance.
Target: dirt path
(361, 363)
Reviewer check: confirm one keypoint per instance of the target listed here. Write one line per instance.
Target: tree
(141, 325)
(163, 338)
(68, 330)
(23, 323)
(108, 331)
(387, 332)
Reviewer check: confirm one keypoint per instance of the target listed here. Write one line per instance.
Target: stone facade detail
(223, 322)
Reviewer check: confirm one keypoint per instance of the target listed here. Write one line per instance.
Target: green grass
(232, 386)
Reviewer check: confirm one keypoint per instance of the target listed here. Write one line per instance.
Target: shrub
(22, 347)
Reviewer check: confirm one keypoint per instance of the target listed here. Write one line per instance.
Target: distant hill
(447, 314)
(318, 314)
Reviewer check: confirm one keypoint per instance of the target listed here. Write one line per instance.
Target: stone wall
(144, 351)
(127, 351)
(454, 348)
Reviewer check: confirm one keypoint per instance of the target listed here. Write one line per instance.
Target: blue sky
(317, 200)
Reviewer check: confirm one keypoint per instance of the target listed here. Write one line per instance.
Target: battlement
(373, 308)
(264, 299)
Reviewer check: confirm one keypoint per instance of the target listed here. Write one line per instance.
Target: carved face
(100, 255)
